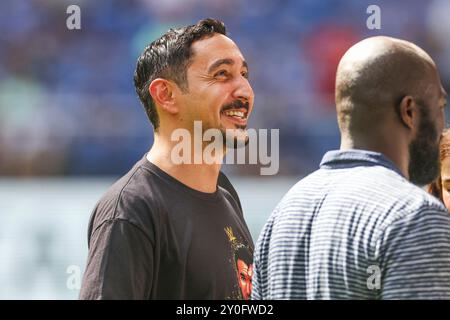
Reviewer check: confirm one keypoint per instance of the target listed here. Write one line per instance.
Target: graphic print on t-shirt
(243, 265)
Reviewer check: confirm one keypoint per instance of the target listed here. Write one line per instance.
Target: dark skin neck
(394, 147)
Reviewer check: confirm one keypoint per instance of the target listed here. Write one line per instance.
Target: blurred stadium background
(70, 122)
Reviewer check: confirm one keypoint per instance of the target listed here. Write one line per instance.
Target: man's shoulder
(131, 198)
(415, 203)
(377, 187)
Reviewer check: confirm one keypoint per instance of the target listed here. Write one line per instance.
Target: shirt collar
(353, 157)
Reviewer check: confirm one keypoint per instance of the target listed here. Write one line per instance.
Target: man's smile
(236, 116)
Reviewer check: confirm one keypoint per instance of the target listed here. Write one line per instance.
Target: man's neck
(391, 151)
(201, 177)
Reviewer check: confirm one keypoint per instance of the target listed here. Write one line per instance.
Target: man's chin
(236, 138)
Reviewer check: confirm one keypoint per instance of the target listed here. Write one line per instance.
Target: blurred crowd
(67, 100)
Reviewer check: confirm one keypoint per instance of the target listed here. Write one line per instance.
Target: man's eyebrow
(226, 61)
(220, 62)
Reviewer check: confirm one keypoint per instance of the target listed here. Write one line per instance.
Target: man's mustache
(238, 104)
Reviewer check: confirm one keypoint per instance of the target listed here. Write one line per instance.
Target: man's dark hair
(243, 254)
(169, 57)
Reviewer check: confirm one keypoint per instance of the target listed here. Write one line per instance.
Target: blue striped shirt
(354, 229)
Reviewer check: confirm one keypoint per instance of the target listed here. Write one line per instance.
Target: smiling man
(163, 230)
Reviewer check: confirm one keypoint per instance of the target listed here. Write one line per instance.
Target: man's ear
(408, 112)
(163, 93)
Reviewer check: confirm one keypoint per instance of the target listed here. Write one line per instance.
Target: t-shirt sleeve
(120, 263)
(415, 256)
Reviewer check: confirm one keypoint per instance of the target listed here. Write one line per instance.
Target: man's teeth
(238, 114)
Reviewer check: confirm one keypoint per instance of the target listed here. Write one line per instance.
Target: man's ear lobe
(163, 93)
(407, 111)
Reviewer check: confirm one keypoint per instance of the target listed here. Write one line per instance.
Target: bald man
(360, 227)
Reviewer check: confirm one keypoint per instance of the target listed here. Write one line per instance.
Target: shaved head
(389, 99)
(372, 78)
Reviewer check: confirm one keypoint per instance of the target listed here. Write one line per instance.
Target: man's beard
(424, 164)
(235, 138)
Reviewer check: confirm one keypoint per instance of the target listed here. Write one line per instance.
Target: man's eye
(221, 74)
(245, 74)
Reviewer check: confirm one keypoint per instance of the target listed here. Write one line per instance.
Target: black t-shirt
(152, 237)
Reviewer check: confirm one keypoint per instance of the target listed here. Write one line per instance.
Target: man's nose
(243, 90)
(248, 289)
